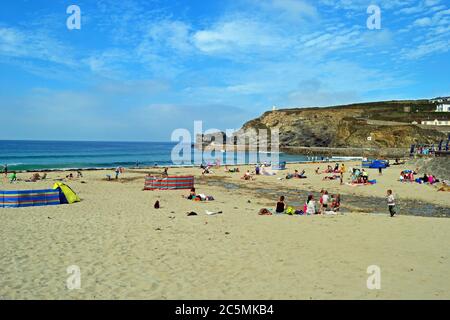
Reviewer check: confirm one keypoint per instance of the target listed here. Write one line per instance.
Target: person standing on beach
(5, 170)
(13, 177)
(391, 203)
(117, 172)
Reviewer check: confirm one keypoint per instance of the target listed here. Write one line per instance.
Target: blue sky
(137, 70)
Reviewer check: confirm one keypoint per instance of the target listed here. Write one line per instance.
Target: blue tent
(375, 164)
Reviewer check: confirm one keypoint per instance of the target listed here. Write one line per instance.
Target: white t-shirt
(325, 199)
(391, 200)
(311, 207)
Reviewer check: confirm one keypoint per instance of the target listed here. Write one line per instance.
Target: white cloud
(239, 35)
(423, 22)
(17, 43)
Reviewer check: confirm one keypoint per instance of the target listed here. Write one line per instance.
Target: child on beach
(324, 201)
(310, 205)
(13, 177)
(391, 203)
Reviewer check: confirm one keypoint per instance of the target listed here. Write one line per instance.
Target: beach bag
(290, 211)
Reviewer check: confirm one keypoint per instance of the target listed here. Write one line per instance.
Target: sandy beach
(126, 249)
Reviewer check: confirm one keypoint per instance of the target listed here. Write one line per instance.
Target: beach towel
(369, 183)
(212, 213)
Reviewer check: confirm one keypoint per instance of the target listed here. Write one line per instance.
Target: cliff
(375, 125)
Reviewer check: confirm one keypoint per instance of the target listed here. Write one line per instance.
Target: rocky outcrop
(345, 126)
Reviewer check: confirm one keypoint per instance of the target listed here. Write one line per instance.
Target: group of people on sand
(38, 177)
(248, 176)
(360, 176)
(197, 197)
(326, 205)
(232, 170)
(337, 173)
(296, 174)
(408, 176)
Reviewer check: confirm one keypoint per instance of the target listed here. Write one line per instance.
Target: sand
(126, 249)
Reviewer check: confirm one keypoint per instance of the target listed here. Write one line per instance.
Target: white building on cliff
(443, 107)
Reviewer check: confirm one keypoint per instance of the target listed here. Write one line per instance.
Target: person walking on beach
(391, 203)
(13, 177)
(117, 172)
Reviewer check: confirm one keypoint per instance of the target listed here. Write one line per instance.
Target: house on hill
(440, 100)
(436, 122)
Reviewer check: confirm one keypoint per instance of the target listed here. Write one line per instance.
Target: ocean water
(38, 155)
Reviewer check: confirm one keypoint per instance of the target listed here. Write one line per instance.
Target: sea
(55, 155)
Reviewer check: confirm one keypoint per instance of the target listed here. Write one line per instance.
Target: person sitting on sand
(247, 176)
(79, 174)
(336, 202)
(301, 175)
(70, 176)
(191, 194)
(208, 170)
(310, 205)
(336, 168)
(281, 205)
(35, 177)
(365, 176)
(264, 172)
(318, 170)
